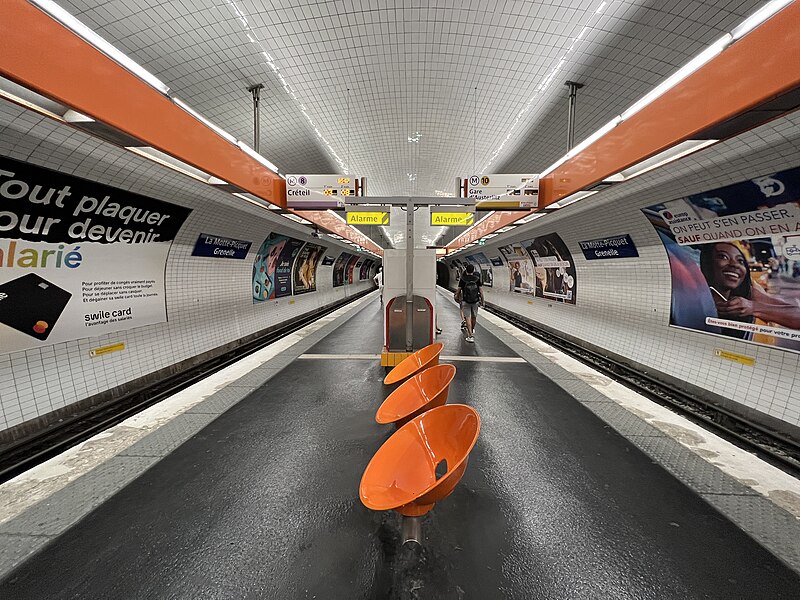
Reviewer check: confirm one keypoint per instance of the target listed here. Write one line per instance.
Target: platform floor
(263, 502)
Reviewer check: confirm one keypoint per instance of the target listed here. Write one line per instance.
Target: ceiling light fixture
(74, 25)
(170, 162)
(204, 121)
(758, 17)
(255, 155)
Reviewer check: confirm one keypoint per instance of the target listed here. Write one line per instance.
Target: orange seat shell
(423, 391)
(402, 474)
(421, 359)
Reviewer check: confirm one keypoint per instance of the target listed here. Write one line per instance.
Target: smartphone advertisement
(734, 256)
(78, 259)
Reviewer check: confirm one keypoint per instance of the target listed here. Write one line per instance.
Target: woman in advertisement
(737, 298)
(264, 267)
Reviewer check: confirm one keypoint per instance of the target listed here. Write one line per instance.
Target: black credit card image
(32, 305)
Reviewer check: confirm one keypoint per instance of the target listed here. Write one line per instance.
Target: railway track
(768, 445)
(33, 450)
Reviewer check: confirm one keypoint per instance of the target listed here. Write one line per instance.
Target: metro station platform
(249, 489)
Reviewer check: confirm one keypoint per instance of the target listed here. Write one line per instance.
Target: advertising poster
(522, 278)
(339, 269)
(283, 272)
(351, 264)
(305, 268)
(327, 260)
(483, 267)
(365, 268)
(78, 258)
(266, 266)
(554, 268)
(734, 256)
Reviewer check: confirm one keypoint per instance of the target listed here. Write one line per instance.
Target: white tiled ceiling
(437, 88)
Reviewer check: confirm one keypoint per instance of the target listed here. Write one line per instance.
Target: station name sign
(617, 246)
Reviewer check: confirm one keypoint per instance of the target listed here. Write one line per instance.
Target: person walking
(470, 294)
(378, 279)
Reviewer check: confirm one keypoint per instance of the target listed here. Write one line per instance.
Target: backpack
(471, 293)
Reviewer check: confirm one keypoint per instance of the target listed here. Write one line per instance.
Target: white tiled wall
(624, 305)
(208, 300)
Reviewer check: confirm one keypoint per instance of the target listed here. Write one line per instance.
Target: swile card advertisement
(78, 258)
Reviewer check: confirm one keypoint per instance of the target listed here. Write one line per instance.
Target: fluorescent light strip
(204, 121)
(170, 162)
(667, 156)
(758, 17)
(74, 25)
(30, 100)
(528, 218)
(297, 218)
(255, 155)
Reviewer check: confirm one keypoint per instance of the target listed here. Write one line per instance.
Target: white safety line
(39, 482)
(778, 486)
(496, 359)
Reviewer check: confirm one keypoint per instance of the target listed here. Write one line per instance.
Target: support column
(410, 275)
(573, 94)
(256, 91)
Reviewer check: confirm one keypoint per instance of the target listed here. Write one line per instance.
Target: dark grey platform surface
(263, 503)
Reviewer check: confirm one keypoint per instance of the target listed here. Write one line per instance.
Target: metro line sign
(501, 191)
(311, 192)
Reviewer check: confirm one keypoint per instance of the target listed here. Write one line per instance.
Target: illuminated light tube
(573, 198)
(758, 17)
(662, 158)
(31, 100)
(297, 218)
(170, 162)
(256, 156)
(489, 236)
(594, 137)
(506, 228)
(257, 201)
(74, 25)
(698, 61)
(216, 128)
(528, 218)
(554, 166)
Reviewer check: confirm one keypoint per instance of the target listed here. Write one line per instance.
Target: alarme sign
(78, 259)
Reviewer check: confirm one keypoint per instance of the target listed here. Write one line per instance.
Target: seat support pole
(412, 530)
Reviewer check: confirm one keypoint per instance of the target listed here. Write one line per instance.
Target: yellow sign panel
(452, 219)
(367, 218)
(107, 349)
(732, 356)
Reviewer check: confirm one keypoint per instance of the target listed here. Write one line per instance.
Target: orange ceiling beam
(760, 66)
(492, 223)
(335, 225)
(41, 54)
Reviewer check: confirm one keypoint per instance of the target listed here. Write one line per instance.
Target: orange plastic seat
(402, 474)
(417, 394)
(421, 359)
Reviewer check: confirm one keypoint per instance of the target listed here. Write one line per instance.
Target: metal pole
(256, 91)
(410, 275)
(573, 94)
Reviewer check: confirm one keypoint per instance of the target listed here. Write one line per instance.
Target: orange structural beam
(43, 55)
(754, 69)
(493, 222)
(336, 225)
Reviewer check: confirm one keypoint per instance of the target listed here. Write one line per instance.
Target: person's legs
(471, 313)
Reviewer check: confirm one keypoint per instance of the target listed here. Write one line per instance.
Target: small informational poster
(327, 260)
(496, 261)
(215, 246)
(616, 246)
(304, 273)
(734, 256)
(77, 258)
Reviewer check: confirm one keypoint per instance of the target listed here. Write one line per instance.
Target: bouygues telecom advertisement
(78, 259)
(734, 256)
